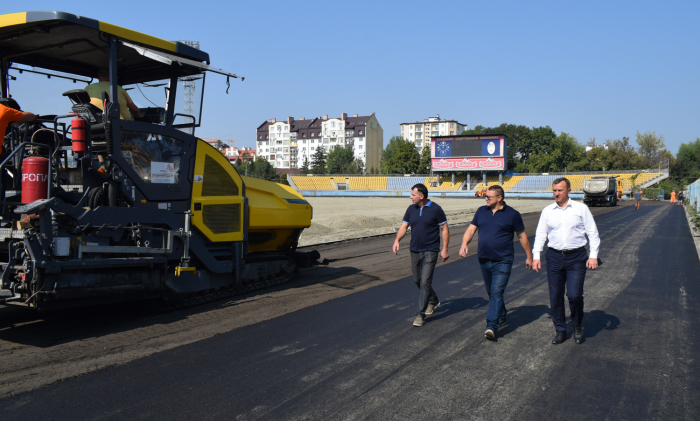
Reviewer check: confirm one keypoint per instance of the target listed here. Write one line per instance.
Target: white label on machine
(61, 246)
(162, 172)
(198, 178)
(163, 205)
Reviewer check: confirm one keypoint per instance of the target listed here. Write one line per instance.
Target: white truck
(600, 191)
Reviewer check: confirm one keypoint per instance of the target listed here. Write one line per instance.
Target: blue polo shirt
(425, 226)
(496, 232)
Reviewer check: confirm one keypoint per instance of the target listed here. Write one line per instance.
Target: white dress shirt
(566, 229)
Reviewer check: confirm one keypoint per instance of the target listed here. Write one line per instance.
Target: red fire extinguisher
(79, 132)
(35, 179)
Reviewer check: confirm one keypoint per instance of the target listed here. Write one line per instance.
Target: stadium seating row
(314, 183)
(445, 183)
(403, 183)
(509, 182)
(516, 183)
(367, 183)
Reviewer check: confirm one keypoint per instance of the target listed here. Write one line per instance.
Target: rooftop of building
(303, 123)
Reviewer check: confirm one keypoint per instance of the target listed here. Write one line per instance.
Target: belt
(567, 251)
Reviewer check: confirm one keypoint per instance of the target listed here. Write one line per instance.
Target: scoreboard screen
(466, 147)
(469, 153)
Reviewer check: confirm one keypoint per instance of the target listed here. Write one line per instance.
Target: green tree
(400, 157)
(617, 154)
(372, 170)
(523, 142)
(686, 166)
(650, 148)
(689, 153)
(340, 160)
(622, 155)
(425, 161)
(391, 148)
(356, 167)
(238, 165)
(262, 169)
(560, 153)
(318, 166)
(305, 168)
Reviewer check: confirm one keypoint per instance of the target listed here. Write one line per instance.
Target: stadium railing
(693, 195)
(512, 182)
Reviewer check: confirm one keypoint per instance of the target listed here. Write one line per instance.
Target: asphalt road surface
(357, 356)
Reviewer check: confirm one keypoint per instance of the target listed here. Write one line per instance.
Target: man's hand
(396, 247)
(445, 255)
(528, 263)
(537, 265)
(464, 250)
(592, 264)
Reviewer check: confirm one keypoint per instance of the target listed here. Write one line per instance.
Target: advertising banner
(468, 164)
(469, 153)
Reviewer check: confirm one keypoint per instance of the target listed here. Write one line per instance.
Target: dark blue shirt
(496, 232)
(638, 196)
(425, 226)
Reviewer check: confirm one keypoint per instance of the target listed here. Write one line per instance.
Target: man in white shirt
(566, 224)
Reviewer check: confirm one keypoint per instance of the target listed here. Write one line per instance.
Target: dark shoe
(419, 321)
(431, 308)
(578, 334)
(559, 339)
(489, 335)
(502, 322)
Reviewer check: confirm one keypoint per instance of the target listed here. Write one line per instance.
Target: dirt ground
(342, 218)
(37, 349)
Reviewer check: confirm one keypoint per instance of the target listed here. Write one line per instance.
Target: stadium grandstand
(512, 182)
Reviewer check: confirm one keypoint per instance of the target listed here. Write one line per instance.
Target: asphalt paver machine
(99, 209)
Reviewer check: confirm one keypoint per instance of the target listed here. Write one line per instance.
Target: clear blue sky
(602, 69)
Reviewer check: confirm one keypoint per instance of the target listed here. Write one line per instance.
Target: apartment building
(420, 132)
(287, 144)
(244, 154)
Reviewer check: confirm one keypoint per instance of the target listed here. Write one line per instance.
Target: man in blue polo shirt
(496, 223)
(427, 221)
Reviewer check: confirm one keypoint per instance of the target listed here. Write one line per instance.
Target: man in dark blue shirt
(427, 220)
(496, 223)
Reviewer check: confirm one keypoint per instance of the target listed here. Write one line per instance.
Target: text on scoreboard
(469, 153)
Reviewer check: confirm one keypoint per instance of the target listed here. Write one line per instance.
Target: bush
(694, 217)
(651, 192)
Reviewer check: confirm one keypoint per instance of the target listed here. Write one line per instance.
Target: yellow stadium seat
(445, 182)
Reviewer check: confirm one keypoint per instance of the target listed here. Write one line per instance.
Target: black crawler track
(209, 296)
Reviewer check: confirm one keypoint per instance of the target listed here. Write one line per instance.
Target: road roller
(98, 208)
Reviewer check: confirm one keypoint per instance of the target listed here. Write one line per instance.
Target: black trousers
(566, 272)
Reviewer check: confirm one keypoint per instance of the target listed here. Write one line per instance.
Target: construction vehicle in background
(170, 219)
(600, 191)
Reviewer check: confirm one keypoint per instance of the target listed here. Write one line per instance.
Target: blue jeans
(423, 265)
(496, 275)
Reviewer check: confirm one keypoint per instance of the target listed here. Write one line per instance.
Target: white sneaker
(489, 335)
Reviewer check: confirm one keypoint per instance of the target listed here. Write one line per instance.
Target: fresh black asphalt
(359, 357)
